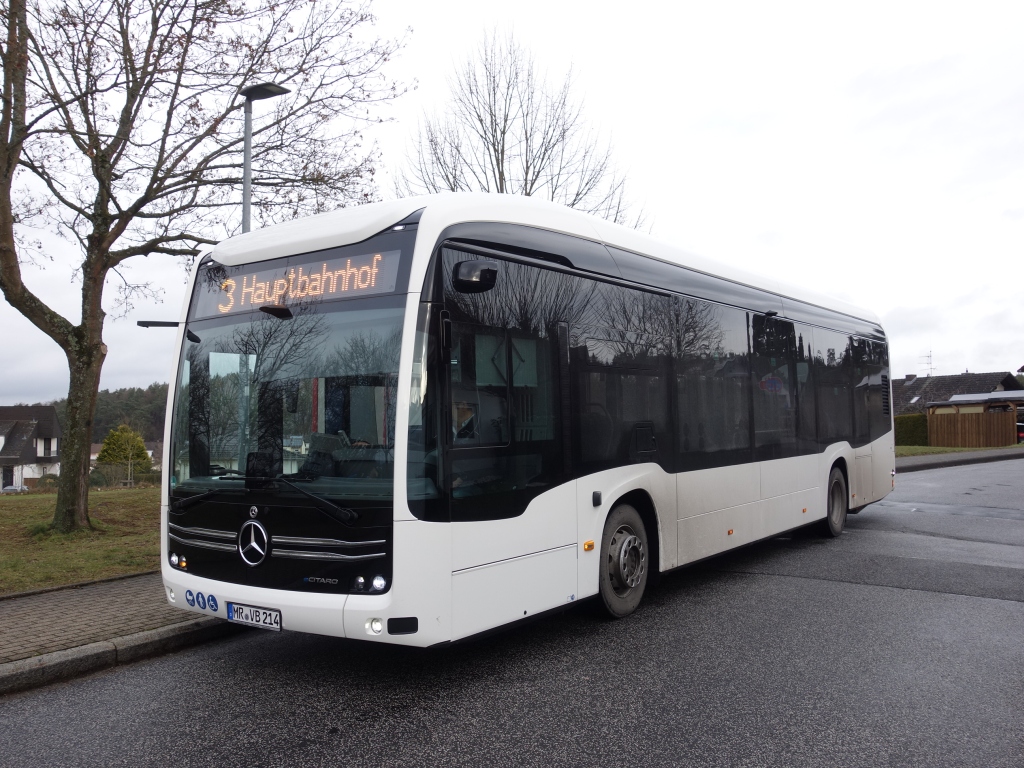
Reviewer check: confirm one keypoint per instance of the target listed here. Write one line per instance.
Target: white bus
(416, 421)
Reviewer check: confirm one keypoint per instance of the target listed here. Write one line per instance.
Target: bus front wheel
(838, 504)
(625, 561)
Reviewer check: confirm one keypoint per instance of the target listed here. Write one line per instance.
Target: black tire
(625, 561)
(837, 501)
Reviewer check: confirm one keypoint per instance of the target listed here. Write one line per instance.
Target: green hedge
(912, 429)
(112, 475)
(47, 482)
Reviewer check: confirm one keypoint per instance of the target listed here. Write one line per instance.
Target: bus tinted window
(624, 418)
(712, 385)
(806, 420)
(773, 362)
(878, 394)
(861, 380)
(832, 372)
(505, 428)
(479, 386)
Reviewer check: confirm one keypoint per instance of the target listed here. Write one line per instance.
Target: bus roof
(353, 225)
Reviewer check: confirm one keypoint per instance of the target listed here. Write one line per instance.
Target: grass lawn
(927, 450)
(126, 539)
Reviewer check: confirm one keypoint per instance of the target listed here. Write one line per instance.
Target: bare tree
(121, 128)
(506, 129)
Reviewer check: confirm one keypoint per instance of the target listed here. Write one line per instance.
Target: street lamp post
(251, 94)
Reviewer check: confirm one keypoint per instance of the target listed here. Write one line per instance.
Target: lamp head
(264, 91)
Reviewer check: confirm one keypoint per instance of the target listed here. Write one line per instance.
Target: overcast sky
(874, 152)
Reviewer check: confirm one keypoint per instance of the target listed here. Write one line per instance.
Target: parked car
(15, 489)
(1020, 431)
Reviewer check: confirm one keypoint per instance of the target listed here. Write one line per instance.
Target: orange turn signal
(805, 510)
(588, 545)
(730, 531)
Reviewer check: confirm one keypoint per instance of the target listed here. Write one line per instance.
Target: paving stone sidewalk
(64, 633)
(68, 618)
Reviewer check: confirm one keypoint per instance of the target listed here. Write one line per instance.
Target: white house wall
(35, 471)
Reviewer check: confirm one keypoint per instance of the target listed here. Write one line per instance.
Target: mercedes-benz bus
(416, 421)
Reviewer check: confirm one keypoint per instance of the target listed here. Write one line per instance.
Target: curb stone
(48, 668)
(919, 463)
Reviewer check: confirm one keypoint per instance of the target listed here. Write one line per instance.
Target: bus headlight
(379, 582)
(374, 626)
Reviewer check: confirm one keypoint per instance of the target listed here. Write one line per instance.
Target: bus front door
(513, 512)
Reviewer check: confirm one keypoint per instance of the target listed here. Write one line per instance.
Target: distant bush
(47, 482)
(911, 429)
(116, 476)
(147, 478)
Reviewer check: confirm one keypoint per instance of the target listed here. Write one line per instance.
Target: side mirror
(474, 276)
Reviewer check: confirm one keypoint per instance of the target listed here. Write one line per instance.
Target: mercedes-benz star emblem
(253, 511)
(252, 542)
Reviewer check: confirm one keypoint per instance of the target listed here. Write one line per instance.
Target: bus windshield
(307, 395)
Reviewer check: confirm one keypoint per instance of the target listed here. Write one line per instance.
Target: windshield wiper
(329, 508)
(179, 506)
(341, 514)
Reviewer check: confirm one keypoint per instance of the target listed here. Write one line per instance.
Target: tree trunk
(73, 484)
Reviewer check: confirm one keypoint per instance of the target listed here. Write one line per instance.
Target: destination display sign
(230, 290)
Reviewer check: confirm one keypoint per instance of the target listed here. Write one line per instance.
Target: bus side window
(479, 386)
(878, 404)
(831, 371)
(806, 428)
(860, 381)
(712, 373)
(774, 367)
(527, 460)
(615, 402)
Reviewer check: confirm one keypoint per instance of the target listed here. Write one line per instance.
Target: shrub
(149, 478)
(911, 429)
(123, 445)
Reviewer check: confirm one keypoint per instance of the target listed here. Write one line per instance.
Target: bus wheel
(834, 521)
(626, 560)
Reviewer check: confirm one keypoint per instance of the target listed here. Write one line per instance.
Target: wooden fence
(972, 430)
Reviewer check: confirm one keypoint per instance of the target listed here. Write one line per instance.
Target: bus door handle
(446, 331)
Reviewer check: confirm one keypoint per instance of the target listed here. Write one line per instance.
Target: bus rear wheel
(625, 562)
(838, 504)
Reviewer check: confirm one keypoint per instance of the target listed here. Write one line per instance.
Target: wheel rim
(836, 502)
(627, 560)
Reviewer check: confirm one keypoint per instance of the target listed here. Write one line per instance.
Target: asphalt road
(899, 644)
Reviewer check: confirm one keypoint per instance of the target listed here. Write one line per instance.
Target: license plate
(265, 618)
